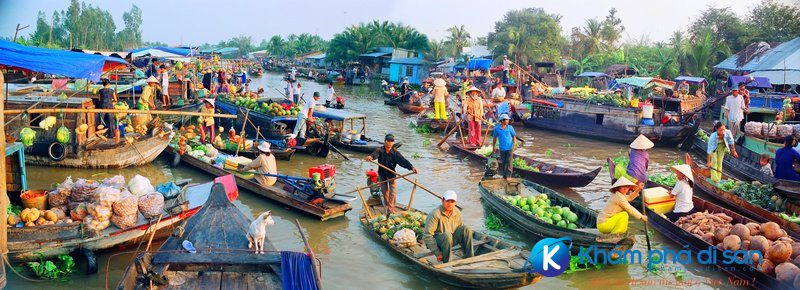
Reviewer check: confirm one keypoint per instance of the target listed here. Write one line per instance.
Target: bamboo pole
(364, 203)
(380, 182)
(241, 140)
(317, 270)
(409, 180)
(116, 111)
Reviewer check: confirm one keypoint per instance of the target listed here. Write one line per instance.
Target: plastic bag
(96, 225)
(124, 221)
(83, 190)
(151, 204)
(79, 212)
(140, 185)
(753, 128)
(127, 204)
(116, 181)
(99, 212)
(785, 130)
(168, 189)
(106, 195)
(65, 187)
(405, 237)
(55, 199)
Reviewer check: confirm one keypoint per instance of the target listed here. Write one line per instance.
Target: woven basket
(140, 119)
(39, 202)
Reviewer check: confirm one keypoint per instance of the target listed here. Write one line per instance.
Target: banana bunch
(141, 129)
(47, 123)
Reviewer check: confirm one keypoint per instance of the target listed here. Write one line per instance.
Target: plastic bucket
(39, 202)
(647, 111)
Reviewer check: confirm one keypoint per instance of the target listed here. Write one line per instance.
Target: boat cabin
(44, 138)
(16, 175)
(343, 126)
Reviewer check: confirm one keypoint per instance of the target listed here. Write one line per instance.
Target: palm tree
(582, 65)
(437, 50)
(459, 38)
(592, 36)
(276, 46)
(665, 64)
(679, 49)
(700, 54)
(349, 44)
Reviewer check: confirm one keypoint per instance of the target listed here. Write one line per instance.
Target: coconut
(732, 243)
(767, 267)
(771, 231)
(760, 243)
(779, 252)
(741, 230)
(786, 272)
(720, 234)
(755, 229)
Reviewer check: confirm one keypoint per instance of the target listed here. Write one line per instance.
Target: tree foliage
(357, 39)
(82, 25)
(527, 35)
(775, 22)
(458, 38)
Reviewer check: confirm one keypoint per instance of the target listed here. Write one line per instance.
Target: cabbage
(27, 135)
(63, 134)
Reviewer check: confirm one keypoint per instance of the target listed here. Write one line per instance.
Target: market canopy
(479, 63)
(751, 82)
(692, 80)
(779, 77)
(337, 115)
(57, 62)
(646, 82)
(592, 74)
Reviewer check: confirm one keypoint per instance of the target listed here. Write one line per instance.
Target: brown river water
(353, 260)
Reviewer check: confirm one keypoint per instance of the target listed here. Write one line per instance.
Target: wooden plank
(223, 257)
(474, 259)
(237, 281)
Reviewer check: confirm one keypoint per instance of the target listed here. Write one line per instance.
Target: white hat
(642, 143)
(504, 116)
(684, 169)
(264, 147)
(211, 101)
(450, 195)
(405, 81)
(439, 82)
(473, 89)
(621, 182)
(152, 79)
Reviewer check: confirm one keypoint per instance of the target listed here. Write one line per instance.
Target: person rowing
(389, 157)
(613, 219)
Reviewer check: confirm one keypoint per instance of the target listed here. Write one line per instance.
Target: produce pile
(781, 254)
(702, 135)
(95, 204)
(620, 170)
(387, 226)
(270, 108)
(754, 192)
(606, 99)
(769, 130)
(668, 180)
(521, 164)
(540, 207)
(485, 150)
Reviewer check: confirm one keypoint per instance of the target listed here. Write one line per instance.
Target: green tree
(612, 28)
(458, 38)
(582, 65)
(243, 43)
(775, 22)
(591, 37)
(131, 35)
(437, 50)
(350, 43)
(679, 48)
(701, 54)
(528, 35)
(725, 26)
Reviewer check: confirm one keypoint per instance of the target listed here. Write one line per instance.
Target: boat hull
(135, 154)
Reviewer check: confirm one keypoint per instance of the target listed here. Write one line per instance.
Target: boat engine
(491, 167)
(372, 180)
(323, 181)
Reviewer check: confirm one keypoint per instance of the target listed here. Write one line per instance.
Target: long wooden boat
(411, 109)
(27, 243)
(679, 236)
(547, 173)
(281, 153)
(496, 264)
(493, 192)
(344, 122)
(223, 259)
(435, 125)
(604, 122)
(193, 106)
(736, 203)
(280, 192)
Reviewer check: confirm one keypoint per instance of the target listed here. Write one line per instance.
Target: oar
(409, 180)
(646, 234)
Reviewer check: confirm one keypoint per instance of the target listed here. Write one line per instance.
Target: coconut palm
(700, 54)
(350, 43)
(437, 50)
(276, 46)
(664, 65)
(592, 36)
(582, 65)
(459, 38)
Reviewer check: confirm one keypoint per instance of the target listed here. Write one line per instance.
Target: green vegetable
(424, 129)
(760, 195)
(521, 164)
(27, 135)
(62, 135)
(493, 222)
(702, 135)
(14, 209)
(667, 180)
(60, 270)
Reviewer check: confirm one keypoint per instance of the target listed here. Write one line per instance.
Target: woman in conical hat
(613, 219)
(639, 159)
(682, 191)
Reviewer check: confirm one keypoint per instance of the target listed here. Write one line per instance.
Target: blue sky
(197, 21)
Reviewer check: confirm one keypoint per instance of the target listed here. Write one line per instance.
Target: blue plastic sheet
(297, 271)
(58, 62)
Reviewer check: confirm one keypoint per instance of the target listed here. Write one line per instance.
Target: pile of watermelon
(540, 207)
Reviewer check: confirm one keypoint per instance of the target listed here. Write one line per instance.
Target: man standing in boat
(107, 99)
(304, 116)
(389, 157)
(734, 111)
(445, 227)
(506, 135)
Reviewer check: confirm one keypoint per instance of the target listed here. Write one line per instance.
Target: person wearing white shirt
(329, 94)
(734, 110)
(289, 89)
(506, 68)
(298, 94)
(293, 74)
(498, 92)
(683, 192)
(305, 115)
(166, 101)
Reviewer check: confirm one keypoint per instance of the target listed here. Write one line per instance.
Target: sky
(178, 22)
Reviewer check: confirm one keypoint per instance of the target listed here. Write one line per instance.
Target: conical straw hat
(642, 143)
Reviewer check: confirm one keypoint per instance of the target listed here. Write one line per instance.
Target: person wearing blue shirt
(784, 158)
(505, 134)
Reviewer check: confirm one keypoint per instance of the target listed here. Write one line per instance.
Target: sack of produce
(140, 185)
(785, 130)
(83, 190)
(65, 187)
(79, 212)
(211, 152)
(96, 225)
(116, 181)
(99, 212)
(127, 204)
(124, 221)
(55, 199)
(753, 129)
(769, 130)
(169, 189)
(796, 131)
(151, 204)
(106, 195)
(405, 238)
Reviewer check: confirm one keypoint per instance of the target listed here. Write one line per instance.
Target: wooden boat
(340, 125)
(496, 264)
(693, 243)
(280, 192)
(411, 109)
(736, 203)
(493, 192)
(393, 101)
(434, 125)
(223, 259)
(187, 107)
(281, 153)
(27, 243)
(604, 122)
(548, 173)
(83, 150)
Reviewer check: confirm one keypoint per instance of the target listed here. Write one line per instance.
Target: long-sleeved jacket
(438, 222)
(390, 159)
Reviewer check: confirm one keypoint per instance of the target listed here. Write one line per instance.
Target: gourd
(50, 216)
(29, 215)
(63, 135)
(27, 135)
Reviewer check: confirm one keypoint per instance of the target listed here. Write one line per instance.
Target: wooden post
(317, 269)
(461, 135)
(4, 201)
(411, 198)
(363, 203)
(242, 134)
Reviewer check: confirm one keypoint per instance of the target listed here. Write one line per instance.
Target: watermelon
(562, 224)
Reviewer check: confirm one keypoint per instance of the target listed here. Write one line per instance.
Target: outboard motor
(491, 167)
(323, 179)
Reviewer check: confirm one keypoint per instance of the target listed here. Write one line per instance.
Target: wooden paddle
(646, 234)
(409, 180)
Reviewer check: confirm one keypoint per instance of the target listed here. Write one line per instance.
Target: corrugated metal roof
(694, 80)
(786, 55)
(406, 60)
(318, 56)
(375, 54)
(779, 77)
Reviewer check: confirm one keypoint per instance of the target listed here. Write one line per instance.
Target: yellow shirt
(208, 121)
(616, 204)
(147, 95)
(439, 94)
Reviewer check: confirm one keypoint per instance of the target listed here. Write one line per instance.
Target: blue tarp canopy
(337, 115)
(58, 62)
(691, 80)
(757, 82)
(592, 74)
(479, 63)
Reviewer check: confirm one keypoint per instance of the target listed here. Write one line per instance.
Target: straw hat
(620, 183)
(473, 89)
(211, 101)
(264, 147)
(439, 83)
(642, 143)
(152, 79)
(684, 169)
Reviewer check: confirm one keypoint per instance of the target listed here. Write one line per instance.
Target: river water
(352, 260)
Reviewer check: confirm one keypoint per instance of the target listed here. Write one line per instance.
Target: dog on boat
(258, 232)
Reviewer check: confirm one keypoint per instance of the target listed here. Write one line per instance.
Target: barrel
(647, 111)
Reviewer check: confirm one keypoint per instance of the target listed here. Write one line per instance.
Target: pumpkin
(786, 272)
(30, 224)
(755, 229)
(732, 243)
(767, 267)
(50, 216)
(760, 243)
(40, 221)
(29, 215)
(720, 234)
(12, 219)
(741, 231)
(771, 231)
(779, 252)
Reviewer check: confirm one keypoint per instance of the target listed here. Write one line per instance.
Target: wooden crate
(688, 105)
